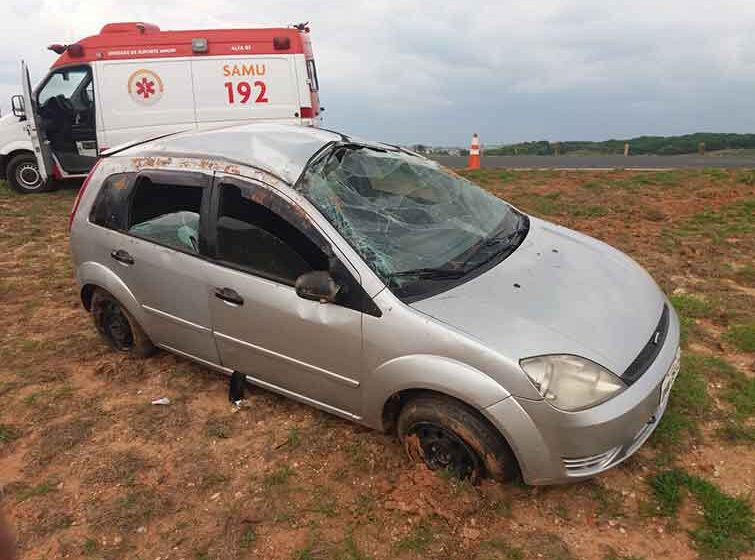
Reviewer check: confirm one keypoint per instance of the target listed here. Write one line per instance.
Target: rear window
(166, 214)
(110, 208)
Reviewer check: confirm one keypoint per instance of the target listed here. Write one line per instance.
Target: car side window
(166, 213)
(252, 234)
(110, 208)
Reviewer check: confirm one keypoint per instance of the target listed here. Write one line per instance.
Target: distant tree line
(658, 145)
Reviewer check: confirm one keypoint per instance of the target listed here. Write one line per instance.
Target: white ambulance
(133, 81)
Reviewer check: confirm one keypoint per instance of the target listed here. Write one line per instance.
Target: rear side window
(254, 237)
(166, 213)
(110, 208)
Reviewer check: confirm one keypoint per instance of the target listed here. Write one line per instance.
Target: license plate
(668, 381)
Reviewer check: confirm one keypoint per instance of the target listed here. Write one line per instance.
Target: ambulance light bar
(74, 50)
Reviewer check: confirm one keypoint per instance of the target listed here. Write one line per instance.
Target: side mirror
(317, 285)
(17, 106)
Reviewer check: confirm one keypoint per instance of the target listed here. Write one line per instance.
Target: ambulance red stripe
(123, 41)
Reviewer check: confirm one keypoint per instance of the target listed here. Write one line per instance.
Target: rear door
(153, 244)
(305, 349)
(243, 88)
(38, 141)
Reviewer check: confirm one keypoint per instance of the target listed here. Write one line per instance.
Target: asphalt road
(602, 162)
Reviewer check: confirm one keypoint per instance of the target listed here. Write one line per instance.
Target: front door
(36, 133)
(305, 349)
(65, 104)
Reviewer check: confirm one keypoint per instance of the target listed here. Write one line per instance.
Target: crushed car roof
(280, 149)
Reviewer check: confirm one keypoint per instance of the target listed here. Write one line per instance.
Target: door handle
(122, 257)
(229, 295)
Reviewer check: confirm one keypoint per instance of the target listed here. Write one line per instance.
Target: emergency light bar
(75, 50)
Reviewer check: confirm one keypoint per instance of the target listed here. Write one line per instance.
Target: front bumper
(553, 446)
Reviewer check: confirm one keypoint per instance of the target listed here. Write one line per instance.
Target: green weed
(34, 491)
(742, 336)
(727, 528)
(279, 477)
(687, 405)
(419, 539)
(8, 433)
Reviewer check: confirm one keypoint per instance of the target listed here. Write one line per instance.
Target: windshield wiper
(430, 273)
(504, 242)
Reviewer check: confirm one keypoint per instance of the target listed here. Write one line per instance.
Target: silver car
(376, 285)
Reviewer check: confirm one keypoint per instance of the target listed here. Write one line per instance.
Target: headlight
(570, 382)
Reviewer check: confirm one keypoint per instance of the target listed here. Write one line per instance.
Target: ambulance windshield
(410, 219)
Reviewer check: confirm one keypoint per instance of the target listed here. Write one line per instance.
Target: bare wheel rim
(116, 327)
(444, 450)
(28, 175)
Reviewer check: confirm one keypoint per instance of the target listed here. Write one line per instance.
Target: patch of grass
(212, 480)
(727, 528)
(34, 491)
(746, 176)
(742, 336)
(593, 186)
(691, 305)
(737, 432)
(217, 429)
(59, 439)
(356, 453)
(293, 440)
(687, 405)
(248, 537)
(499, 549)
(127, 512)
(350, 550)
(419, 538)
(278, 477)
(49, 397)
(9, 433)
(90, 546)
(731, 220)
(590, 211)
(120, 467)
(364, 506)
(609, 501)
(746, 274)
(323, 502)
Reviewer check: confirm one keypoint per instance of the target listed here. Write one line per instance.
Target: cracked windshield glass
(407, 217)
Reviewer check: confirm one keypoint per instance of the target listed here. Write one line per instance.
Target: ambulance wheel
(24, 175)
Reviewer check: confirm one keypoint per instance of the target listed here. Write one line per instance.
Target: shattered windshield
(410, 219)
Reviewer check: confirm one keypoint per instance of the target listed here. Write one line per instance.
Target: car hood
(559, 292)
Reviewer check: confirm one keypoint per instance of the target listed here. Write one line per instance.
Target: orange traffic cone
(474, 153)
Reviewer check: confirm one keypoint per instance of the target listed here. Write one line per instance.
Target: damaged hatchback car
(374, 284)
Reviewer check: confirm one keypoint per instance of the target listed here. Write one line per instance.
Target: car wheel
(448, 435)
(24, 175)
(118, 327)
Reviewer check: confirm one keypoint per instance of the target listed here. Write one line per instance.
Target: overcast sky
(434, 72)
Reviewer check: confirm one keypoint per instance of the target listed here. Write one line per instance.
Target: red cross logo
(145, 88)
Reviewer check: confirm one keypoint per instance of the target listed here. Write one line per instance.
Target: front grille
(585, 465)
(651, 350)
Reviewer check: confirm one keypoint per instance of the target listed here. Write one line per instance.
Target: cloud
(409, 71)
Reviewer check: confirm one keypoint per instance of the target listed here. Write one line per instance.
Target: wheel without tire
(24, 175)
(118, 327)
(448, 435)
